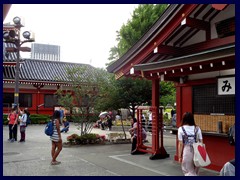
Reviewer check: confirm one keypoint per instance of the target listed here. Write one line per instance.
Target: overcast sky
(85, 32)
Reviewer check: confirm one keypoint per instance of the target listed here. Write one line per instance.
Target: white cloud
(85, 32)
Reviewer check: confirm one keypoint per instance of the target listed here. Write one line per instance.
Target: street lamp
(12, 35)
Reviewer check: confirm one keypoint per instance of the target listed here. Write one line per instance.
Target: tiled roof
(9, 56)
(45, 71)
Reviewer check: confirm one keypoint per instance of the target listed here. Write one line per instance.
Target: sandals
(55, 162)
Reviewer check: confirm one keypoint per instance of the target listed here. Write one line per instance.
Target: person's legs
(59, 148)
(134, 144)
(67, 129)
(15, 132)
(21, 132)
(21, 135)
(10, 131)
(53, 151)
(64, 130)
(24, 134)
(102, 126)
(188, 167)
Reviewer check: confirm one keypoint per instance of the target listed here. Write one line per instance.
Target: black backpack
(28, 119)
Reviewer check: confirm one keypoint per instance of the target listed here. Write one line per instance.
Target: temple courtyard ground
(32, 158)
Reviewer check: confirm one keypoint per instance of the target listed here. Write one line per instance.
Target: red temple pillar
(157, 124)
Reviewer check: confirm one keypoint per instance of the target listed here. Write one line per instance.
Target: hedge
(35, 119)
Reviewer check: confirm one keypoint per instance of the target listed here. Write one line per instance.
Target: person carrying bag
(188, 134)
(23, 121)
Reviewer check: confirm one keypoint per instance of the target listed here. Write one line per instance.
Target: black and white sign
(226, 86)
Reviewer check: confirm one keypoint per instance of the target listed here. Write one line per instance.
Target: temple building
(192, 45)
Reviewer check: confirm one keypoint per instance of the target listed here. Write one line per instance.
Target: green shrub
(39, 118)
(35, 119)
(85, 139)
(5, 121)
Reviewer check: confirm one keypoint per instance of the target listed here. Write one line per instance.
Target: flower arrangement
(86, 139)
(72, 139)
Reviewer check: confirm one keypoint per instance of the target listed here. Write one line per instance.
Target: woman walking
(188, 133)
(56, 138)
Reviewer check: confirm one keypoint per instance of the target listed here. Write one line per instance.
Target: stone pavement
(33, 157)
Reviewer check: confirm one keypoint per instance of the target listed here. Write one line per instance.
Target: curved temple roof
(45, 71)
(182, 30)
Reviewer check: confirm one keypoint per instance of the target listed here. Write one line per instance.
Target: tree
(108, 94)
(143, 17)
(124, 93)
(133, 93)
(80, 100)
(167, 93)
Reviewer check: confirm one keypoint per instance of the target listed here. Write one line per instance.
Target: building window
(25, 100)
(8, 99)
(50, 100)
(206, 101)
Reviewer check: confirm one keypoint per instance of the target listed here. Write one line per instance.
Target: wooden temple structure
(192, 45)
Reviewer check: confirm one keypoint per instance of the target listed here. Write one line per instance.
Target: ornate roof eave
(144, 42)
(10, 81)
(8, 27)
(6, 8)
(198, 57)
(211, 60)
(13, 63)
(172, 39)
(57, 83)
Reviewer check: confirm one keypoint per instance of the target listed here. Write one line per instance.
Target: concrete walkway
(33, 157)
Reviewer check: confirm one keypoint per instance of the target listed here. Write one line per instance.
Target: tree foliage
(124, 93)
(143, 17)
(133, 93)
(167, 93)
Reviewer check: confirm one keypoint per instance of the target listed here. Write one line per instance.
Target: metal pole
(16, 93)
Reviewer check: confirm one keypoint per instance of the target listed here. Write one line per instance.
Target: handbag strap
(195, 133)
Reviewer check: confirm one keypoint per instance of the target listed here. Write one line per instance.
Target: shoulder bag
(200, 158)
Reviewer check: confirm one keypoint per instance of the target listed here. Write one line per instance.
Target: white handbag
(200, 158)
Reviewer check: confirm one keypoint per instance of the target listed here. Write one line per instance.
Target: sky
(84, 32)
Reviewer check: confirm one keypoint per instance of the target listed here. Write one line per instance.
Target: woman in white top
(56, 138)
(23, 121)
(188, 133)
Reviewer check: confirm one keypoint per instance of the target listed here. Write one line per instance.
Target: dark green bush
(35, 119)
(84, 139)
(5, 121)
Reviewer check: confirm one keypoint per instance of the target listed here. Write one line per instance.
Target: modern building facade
(45, 52)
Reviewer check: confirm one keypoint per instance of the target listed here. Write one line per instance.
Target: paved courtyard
(33, 157)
